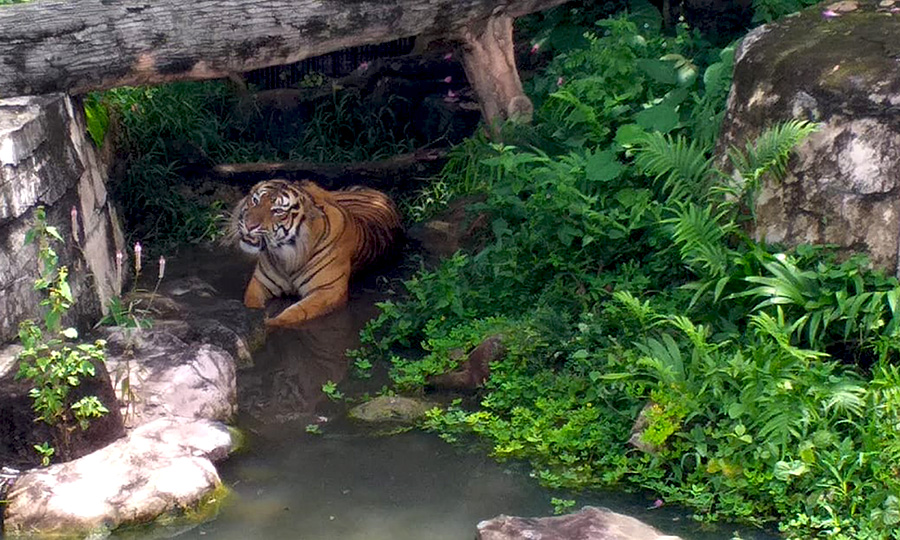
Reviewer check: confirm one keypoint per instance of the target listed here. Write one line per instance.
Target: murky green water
(351, 482)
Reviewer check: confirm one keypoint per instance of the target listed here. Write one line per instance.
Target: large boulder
(162, 467)
(158, 375)
(835, 64)
(589, 523)
(47, 159)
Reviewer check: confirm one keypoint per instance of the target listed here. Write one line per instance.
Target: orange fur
(308, 241)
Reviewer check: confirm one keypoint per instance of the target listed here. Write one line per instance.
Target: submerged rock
(835, 64)
(161, 467)
(589, 523)
(391, 409)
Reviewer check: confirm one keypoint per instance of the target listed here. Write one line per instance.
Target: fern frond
(683, 167)
(845, 399)
(699, 235)
(769, 153)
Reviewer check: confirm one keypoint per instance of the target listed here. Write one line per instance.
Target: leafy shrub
(48, 358)
(171, 132)
(620, 276)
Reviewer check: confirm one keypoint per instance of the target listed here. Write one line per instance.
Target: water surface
(351, 481)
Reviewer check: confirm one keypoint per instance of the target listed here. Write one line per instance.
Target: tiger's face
(269, 217)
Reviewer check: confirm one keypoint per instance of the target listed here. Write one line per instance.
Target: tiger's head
(269, 217)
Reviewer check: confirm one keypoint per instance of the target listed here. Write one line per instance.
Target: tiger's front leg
(256, 296)
(321, 299)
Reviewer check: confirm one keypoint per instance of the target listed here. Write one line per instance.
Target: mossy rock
(391, 409)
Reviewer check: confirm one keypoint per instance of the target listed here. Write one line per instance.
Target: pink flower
(137, 257)
(448, 79)
(535, 48)
(162, 267)
(560, 81)
(448, 56)
(120, 259)
(451, 97)
(657, 503)
(830, 14)
(363, 66)
(74, 214)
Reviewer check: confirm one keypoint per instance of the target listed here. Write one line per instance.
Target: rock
(452, 230)
(641, 423)
(45, 158)
(156, 374)
(475, 370)
(589, 523)
(840, 70)
(194, 310)
(161, 467)
(19, 431)
(391, 409)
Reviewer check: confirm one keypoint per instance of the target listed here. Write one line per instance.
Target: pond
(346, 480)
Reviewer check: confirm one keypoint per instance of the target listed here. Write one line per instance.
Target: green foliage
(170, 131)
(330, 389)
(769, 10)
(618, 272)
(562, 506)
(46, 452)
(48, 358)
(97, 116)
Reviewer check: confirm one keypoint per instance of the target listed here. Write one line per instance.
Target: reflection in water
(286, 381)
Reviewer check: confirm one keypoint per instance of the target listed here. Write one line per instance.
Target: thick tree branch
(61, 45)
(392, 172)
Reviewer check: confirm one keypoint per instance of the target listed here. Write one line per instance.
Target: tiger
(308, 241)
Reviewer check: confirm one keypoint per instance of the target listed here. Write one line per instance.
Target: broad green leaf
(658, 70)
(603, 167)
(629, 134)
(662, 118)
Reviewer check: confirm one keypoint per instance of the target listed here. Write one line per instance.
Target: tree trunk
(61, 45)
(490, 63)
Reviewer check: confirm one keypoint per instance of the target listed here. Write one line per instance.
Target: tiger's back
(376, 218)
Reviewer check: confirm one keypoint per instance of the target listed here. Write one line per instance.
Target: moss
(180, 520)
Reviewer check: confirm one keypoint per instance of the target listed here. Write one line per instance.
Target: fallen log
(60, 45)
(393, 172)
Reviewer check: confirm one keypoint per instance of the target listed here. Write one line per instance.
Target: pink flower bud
(74, 214)
(120, 259)
(137, 257)
(162, 267)
(448, 56)
(830, 14)
(448, 79)
(535, 48)
(363, 66)
(560, 81)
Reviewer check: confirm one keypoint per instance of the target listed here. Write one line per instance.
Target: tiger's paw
(276, 323)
